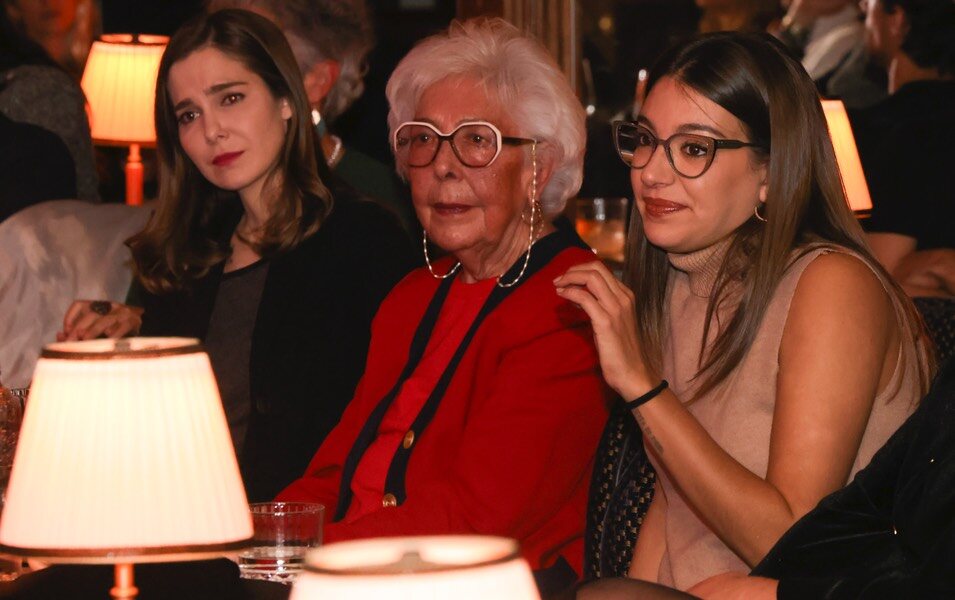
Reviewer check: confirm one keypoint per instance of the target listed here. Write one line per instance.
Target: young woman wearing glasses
(764, 353)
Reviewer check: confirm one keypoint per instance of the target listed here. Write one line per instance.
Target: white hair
(517, 71)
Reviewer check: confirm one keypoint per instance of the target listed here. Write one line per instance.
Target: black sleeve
(891, 532)
(932, 576)
(909, 180)
(35, 166)
(850, 527)
(888, 165)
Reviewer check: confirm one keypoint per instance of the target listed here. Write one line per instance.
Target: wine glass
(601, 223)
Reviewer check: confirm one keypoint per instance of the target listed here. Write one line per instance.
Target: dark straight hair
(184, 239)
(754, 78)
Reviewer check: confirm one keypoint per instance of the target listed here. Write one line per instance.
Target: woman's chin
(449, 240)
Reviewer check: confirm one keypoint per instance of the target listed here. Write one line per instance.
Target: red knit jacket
(509, 451)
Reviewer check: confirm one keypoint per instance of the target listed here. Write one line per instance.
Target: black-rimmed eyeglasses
(475, 143)
(689, 154)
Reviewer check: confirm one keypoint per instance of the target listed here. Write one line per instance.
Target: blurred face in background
(43, 18)
(882, 39)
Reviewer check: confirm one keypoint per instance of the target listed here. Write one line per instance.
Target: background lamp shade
(120, 84)
(456, 567)
(124, 456)
(847, 156)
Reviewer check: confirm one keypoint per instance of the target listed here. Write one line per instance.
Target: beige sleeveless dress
(738, 413)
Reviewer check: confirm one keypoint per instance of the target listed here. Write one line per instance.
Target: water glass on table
(283, 533)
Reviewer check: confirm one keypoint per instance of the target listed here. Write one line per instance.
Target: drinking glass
(601, 223)
(283, 533)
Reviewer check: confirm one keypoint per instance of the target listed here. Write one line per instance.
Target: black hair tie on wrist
(641, 400)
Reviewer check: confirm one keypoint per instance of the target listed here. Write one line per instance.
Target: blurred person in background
(64, 28)
(905, 143)
(829, 38)
(738, 15)
(36, 90)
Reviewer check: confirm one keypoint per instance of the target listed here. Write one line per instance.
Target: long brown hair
(752, 77)
(189, 232)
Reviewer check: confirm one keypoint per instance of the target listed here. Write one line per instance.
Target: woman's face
(465, 209)
(680, 214)
(230, 125)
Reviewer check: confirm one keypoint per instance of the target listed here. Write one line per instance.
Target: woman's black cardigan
(310, 336)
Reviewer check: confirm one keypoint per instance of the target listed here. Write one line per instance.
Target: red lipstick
(658, 208)
(223, 160)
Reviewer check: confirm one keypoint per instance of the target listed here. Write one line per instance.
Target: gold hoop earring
(535, 228)
(756, 212)
(427, 259)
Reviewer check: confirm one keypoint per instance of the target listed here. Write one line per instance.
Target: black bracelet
(638, 402)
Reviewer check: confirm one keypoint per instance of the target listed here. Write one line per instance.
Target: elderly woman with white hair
(481, 401)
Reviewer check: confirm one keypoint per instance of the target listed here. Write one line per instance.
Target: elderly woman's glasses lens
(475, 143)
(689, 154)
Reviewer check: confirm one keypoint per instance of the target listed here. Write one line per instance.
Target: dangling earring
(316, 117)
(756, 212)
(427, 259)
(535, 228)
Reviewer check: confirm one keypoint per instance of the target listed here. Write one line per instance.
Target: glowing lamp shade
(847, 156)
(124, 456)
(458, 567)
(120, 84)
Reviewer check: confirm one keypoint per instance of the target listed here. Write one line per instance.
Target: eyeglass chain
(535, 231)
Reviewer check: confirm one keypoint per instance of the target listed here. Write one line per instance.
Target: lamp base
(134, 176)
(124, 589)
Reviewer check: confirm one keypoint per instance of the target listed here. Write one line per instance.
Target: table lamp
(124, 457)
(847, 156)
(120, 84)
(410, 568)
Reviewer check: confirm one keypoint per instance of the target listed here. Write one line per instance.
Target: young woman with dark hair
(765, 354)
(247, 250)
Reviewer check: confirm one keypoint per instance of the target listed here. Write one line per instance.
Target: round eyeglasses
(475, 143)
(689, 154)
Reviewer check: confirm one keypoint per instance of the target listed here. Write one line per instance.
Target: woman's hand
(610, 306)
(90, 319)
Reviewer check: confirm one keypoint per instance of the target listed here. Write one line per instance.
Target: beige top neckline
(701, 266)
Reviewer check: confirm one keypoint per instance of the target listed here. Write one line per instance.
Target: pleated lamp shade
(120, 84)
(124, 456)
(847, 156)
(119, 81)
(412, 568)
